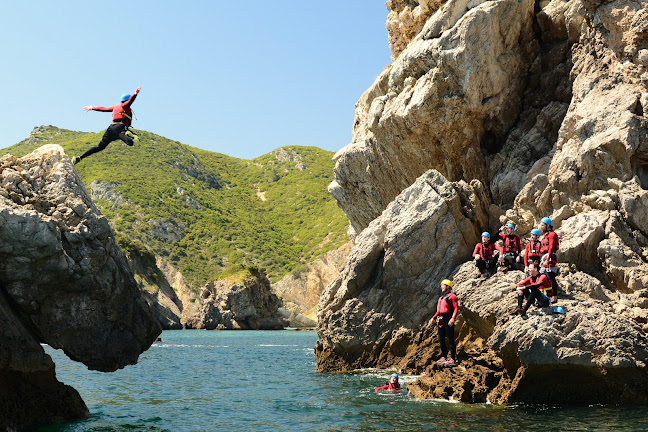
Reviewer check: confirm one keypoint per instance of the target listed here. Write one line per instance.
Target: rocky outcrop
(63, 282)
(239, 303)
(565, 137)
(372, 312)
(301, 291)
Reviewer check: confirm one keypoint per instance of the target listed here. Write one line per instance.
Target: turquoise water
(265, 381)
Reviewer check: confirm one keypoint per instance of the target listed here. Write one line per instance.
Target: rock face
(63, 282)
(301, 292)
(562, 135)
(246, 304)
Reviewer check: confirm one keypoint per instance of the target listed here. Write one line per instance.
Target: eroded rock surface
(564, 137)
(63, 282)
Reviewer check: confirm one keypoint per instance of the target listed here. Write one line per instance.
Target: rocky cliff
(63, 282)
(238, 303)
(495, 111)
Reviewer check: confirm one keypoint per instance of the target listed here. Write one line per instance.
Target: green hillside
(207, 213)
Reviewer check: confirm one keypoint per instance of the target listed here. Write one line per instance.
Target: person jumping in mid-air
(122, 117)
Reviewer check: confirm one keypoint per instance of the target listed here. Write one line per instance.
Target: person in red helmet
(122, 116)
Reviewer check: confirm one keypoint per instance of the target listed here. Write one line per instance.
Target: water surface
(265, 381)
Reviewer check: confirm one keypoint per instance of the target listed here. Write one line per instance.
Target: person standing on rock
(122, 117)
(536, 287)
(511, 248)
(485, 255)
(532, 250)
(549, 260)
(445, 316)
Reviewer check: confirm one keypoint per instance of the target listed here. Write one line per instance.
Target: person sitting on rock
(532, 250)
(511, 248)
(536, 287)
(549, 260)
(485, 255)
(445, 316)
(392, 384)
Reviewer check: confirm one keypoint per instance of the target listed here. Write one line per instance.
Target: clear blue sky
(240, 78)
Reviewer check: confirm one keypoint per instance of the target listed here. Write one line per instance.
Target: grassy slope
(201, 211)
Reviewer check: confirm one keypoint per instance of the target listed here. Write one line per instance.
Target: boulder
(63, 282)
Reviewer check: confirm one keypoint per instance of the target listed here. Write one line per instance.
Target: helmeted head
(510, 225)
(545, 224)
(395, 376)
(535, 232)
(125, 97)
(446, 285)
(485, 237)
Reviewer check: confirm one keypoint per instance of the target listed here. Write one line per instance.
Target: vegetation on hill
(209, 214)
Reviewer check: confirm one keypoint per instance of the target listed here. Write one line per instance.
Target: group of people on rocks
(540, 267)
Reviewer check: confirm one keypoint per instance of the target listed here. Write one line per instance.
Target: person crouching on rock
(536, 287)
(392, 384)
(485, 255)
(511, 248)
(445, 316)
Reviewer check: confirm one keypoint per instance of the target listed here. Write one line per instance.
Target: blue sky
(239, 78)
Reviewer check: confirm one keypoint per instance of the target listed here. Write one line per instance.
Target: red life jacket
(511, 244)
(485, 250)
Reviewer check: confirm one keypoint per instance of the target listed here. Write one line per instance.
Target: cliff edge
(63, 282)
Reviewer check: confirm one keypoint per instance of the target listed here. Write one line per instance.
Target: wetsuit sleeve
(385, 387)
(477, 250)
(524, 283)
(105, 109)
(498, 249)
(455, 306)
(553, 246)
(131, 100)
(518, 243)
(527, 250)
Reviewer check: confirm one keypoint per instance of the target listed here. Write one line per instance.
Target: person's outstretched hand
(87, 107)
(137, 90)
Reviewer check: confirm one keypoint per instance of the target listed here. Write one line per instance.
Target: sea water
(266, 381)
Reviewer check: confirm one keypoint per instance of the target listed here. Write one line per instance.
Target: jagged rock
(567, 139)
(301, 291)
(455, 89)
(389, 285)
(63, 282)
(246, 304)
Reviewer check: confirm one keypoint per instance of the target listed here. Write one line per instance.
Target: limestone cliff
(524, 110)
(301, 291)
(63, 282)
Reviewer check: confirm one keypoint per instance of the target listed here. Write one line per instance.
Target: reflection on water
(265, 381)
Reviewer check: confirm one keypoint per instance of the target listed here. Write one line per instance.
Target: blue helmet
(546, 220)
(485, 234)
(535, 231)
(125, 97)
(559, 310)
(510, 225)
(395, 375)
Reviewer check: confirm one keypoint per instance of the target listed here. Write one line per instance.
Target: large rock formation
(545, 108)
(63, 282)
(238, 303)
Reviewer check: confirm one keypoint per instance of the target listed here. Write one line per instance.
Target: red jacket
(389, 386)
(532, 250)
(486, 251)
(121, 112)
(511, 244)
(539, 281)
(549, 246)
(447, 306)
